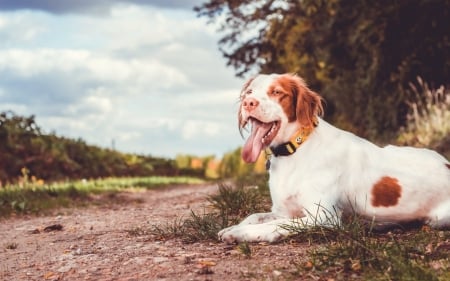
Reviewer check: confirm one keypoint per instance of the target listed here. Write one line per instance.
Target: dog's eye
(276, 92)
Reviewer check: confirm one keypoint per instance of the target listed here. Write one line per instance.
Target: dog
(318, 173)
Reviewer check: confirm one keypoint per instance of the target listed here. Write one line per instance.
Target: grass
(194, 228)
(353, 250)
(37, 197)
(427, 120)
(347, 250)
(228, 207)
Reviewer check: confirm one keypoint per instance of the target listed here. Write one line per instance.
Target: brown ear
(308, 105)
(241, 122)
(246, 85)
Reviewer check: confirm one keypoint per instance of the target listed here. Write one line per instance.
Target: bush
(428, 119)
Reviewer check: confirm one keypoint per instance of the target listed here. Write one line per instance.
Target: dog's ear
(241, 122)
(308, 103)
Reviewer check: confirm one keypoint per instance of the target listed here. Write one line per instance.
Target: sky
(140, 76)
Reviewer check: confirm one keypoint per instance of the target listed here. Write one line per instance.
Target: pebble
(276, 273)
(160, 259)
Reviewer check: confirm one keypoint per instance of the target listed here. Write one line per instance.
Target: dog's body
(318, 172)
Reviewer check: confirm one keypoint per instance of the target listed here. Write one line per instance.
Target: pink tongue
(253, 146)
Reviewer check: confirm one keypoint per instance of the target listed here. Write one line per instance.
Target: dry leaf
(49, 275)
(356, 265)
(206, 263)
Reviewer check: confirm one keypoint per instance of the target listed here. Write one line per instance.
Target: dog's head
(276, 106)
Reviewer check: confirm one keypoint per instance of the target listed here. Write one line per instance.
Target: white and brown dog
(316, 165)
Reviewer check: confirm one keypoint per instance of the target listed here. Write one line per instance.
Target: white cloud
(193, 129)
(97, 7)
(20, 27)
(152, 80)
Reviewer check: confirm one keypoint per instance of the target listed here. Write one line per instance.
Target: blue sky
(146, 74)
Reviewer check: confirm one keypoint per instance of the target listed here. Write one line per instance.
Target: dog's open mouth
(262, 134)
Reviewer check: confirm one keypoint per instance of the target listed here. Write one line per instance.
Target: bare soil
(97, 243)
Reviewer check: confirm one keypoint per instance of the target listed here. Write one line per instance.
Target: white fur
(335, 171)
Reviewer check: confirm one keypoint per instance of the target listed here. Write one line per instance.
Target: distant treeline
(26, 151)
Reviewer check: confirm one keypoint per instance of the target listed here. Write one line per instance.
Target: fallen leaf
(206, 263)
(356, 265)
(49, 275)
(309, 265)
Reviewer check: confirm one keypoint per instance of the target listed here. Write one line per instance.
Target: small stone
(276, 273)
(160, 259)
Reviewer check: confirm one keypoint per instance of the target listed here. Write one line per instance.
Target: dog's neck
(290, 147)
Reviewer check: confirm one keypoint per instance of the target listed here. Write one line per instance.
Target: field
(32, 196)
(165, 229)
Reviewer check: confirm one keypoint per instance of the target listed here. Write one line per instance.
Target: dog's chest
(286, 188)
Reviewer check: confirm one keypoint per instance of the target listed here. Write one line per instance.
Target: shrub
(428, 120)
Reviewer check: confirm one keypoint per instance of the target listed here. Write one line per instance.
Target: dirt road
(95, 243)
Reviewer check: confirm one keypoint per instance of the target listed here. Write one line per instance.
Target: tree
(360, 55)
(25, 150)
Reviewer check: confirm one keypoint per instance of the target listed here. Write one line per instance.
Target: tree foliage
(232, 165)
(23, 147)
(360, 55)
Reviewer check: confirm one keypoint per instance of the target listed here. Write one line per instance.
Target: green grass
(228, 207)
(348, 250)
(352, 250)
(33, 197)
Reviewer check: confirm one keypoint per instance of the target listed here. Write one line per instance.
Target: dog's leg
(260, 232)
(257, 218)
(440, 216)
(269, 227)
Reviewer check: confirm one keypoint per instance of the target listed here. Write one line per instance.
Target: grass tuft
(229, 206)
(352, 247)
(245, 249)
(427, 120)
(196, 227)
(233, 204)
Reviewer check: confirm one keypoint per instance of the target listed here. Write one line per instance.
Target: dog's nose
(250, 103)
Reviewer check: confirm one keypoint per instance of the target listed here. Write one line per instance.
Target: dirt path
(95, 244)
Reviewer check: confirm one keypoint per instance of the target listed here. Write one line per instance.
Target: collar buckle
(288, 148)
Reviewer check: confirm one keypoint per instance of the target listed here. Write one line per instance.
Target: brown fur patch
(293, 207)
(386, 192)
(297, 100)
(448, 165)
(282, 92)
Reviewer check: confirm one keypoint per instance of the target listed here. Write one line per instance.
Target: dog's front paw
(251, 233)
(221, 233)
(232, 235)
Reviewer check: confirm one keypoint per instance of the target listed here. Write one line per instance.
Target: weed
(202, 227)
(194, 228)
(233, 204)
(245, 249)
(427, 120)
(229, 206)
(169, 230)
